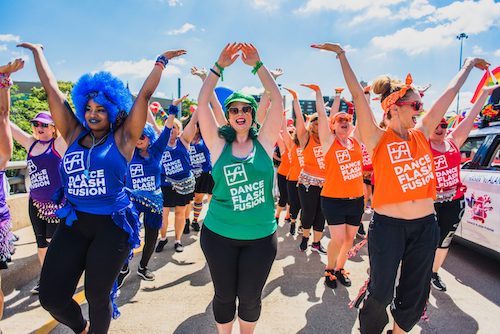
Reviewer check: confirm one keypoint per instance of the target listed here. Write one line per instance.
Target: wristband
(162, 114)
(257, 66)
(214, 72)
(173, 110)
(221, 71)
(161, 61)
(5, 80)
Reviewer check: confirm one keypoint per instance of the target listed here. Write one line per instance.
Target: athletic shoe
(186, 226)
(145, 274)
(292, 228)
(303, 244)
(300, 230)
(178, 247)
(361, 231)
(161, 245)
(368, 210)
(330, 278)
(195, 226)
(317, 247)
(343, 277)
(36, 289)
(437, 282)
(121, 277)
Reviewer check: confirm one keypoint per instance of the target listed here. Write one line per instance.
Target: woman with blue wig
(238, 235)
(101, 225)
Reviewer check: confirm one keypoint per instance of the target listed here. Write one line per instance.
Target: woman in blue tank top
(101, 225)
(6, 237)
(45, 149)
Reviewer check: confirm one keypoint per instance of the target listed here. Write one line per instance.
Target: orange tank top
(296, 163)
(314, 162)
(284, 167)
(344, 176)
(404, 169)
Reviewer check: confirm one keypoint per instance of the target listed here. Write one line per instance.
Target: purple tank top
(4, 209)
(44, 173)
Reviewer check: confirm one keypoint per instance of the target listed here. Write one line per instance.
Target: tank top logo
(139, 181)
(399, 152)
(318, 154)
(440, 162)
(136, 170)
(73, 162)
(235, 174)
(38, 178)
(300, 156)
(196, 158)
(31, 167)
(343, 156)
(166, 157)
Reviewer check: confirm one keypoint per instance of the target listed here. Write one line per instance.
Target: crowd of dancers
(96, 169)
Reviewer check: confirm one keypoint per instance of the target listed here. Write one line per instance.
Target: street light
(461, 38)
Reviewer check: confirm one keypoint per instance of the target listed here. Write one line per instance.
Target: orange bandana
(395, 96)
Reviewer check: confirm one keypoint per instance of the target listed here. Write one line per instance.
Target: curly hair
(150, 133)
(106, 90)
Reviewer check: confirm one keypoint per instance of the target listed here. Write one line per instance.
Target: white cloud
(497, 53)
(252, 90)
(416, 10)
(161, 95)
(173, 3)
(3, 47)
(348, 48)
(267, 5)
(373, 13)
(478, 51)
(182, 30)
(322, 5)
(137, 69)
(10, 38)
(178, 61)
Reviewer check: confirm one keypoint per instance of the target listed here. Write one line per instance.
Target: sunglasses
(416, 105)
(343, 119)
(142, 137)
(443, 126)
(36, 124)
(236, 111)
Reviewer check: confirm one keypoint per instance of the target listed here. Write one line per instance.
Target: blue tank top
(175, 163)
(144, 173)
(44, 172)
(101, 190)
(200, 157)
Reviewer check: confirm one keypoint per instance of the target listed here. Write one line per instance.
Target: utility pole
(461, 38)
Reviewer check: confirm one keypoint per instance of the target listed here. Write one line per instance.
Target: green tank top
(242, 205)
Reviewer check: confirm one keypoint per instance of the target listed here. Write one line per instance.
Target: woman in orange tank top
(342, 195)
(296, 165)
(403, 228)
(311, 178)
(282, 172)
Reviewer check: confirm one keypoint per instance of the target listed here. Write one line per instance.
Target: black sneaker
(36, 289)
(361, 231)
(300, 230)
(318, 248)
(145, 274)
(161, 245)
(303, 244)
(195, 226)
(178, 247)
(186, 226)
(330, 278)
(121, 276)
(292, 228)
(437, 282)
(343, 277)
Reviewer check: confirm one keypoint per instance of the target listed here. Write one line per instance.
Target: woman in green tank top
(238, 235)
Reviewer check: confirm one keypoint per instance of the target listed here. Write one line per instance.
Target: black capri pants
(42, 228)
(391, 241)
(293, 198)
(93, 244)
(340, 211)
(449, 214)
(310, 201)
(283, 201)
(239, 269)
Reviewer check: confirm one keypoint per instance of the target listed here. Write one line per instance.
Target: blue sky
(381, 36)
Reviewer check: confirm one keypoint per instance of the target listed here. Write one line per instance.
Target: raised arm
(269, 132)
(326, 137)
(336, 102)
(461, 132)
(5, 133)
(64, 118)
(128, 134)
(432, 118)
(287, 138)
(300, 125)
(370, 132)
(214, 102)
(208, 124)
(264, 100)
(21, 136)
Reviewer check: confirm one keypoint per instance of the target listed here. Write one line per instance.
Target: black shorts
(339, 211)
(448, 215)
(204, 183)
(42, 228)
(172, 198)
(283, 201)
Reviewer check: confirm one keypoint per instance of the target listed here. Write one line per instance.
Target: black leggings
(239, 269)
(312, 215)
(150, 236)
(93, 244)
(391, 241)
(293, 199)
(283, 201)
(42, 228)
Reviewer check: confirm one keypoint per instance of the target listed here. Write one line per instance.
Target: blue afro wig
(150, 133)
(104, 89)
